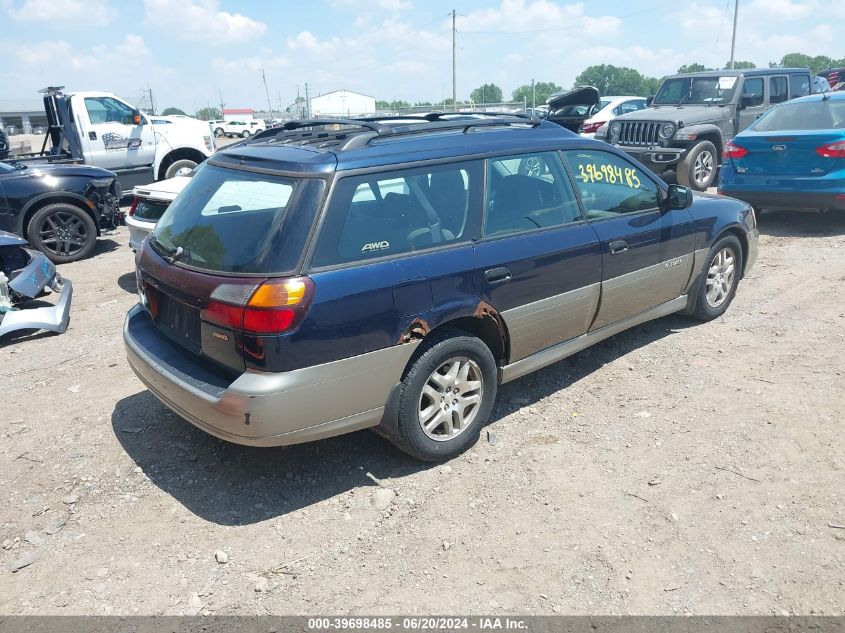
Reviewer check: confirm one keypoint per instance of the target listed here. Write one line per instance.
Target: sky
(190, 52)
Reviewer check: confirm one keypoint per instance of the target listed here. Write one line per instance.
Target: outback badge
(220, 335)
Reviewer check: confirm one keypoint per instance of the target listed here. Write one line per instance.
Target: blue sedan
(792, 157)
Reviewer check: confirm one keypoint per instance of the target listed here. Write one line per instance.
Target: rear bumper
(265, 409)
(657, 159)
(786, 199)
(138, 231)
(54, 318)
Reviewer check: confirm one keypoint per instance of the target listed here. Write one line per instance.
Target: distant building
(238, 114)
(342, 103)
(22, 116)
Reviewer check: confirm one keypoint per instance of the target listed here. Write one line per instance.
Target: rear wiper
(171, 254)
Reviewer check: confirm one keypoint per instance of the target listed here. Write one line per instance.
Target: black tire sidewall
(685, 171)
(218, 132)
(703, 310)
(39, 216)
(412, 437)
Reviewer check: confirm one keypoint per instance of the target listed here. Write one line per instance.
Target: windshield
(825, 114)
(235, 221)
(707, 90)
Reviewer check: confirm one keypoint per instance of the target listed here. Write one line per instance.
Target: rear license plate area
(178, 321)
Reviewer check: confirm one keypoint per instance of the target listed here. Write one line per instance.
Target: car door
(538, 262)
(751, 103)
(403, 239)
(114, 139)
(646, 251)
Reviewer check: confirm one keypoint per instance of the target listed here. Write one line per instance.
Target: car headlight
(667, 129)
(602, 131)
(681, 135)
(615, 128)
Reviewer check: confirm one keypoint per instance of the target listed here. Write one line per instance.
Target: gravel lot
(675, 468)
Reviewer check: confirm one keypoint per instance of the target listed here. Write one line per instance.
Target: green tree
(542, 89)
(391, 105)
(741, 65)
(487, 93)
(695, 67)
(208, 114)
(422, 103)
(168, 111)
(815, 64)
(616, 80)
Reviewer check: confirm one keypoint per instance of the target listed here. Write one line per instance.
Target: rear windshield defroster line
(235, 221)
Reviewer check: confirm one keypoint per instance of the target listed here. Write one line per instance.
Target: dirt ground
(675, 468)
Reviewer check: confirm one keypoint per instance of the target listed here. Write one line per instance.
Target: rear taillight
(732, 150)
(832, 150)
(274, 307)
(591, 128)
(134, 206)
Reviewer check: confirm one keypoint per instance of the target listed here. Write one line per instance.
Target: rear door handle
(618, 246)
(497, 275)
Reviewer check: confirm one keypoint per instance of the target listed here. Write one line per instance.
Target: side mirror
(649, 100)
(678, 198)
(136, 117)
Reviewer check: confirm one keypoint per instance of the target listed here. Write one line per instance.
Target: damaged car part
(25, 275)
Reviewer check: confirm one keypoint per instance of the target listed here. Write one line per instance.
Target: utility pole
(222, 105)
(152, 103)
(454, 63)
(267, 92)
(307, 103)
(533, 98)
(733, 38)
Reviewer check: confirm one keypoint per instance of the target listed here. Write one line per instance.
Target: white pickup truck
(101, 129)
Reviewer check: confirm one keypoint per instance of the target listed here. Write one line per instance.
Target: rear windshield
(150, 209)
(228, 220)
(825, 114)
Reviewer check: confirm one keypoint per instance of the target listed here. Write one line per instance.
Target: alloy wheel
(63, 233)
(702, 169)
(451, 398)
(720, 277)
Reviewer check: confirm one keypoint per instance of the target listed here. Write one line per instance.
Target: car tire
(453, 424)
(218, 132)
(699, 167)
(50, 224)
(719, 278)
(245, 134)
(179, 168)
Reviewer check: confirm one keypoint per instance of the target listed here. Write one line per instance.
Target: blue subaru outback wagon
(334, 275)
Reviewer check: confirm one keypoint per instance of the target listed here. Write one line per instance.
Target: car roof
(454, 139)
(819, 96)
(737, 72)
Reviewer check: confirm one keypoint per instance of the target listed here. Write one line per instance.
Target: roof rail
(359, 132)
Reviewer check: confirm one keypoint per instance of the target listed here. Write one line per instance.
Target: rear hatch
(228, 234)
(787, 141)
(570, 109)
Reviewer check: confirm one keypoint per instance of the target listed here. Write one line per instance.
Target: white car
(244, 129)
(148, 204)
(607, 109)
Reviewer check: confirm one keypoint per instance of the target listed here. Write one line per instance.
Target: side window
(752, 92)
(631, 106)
(107, 110)
(528, 192)
(609, 185)
(799, 85)
(778, 90)
(400, 211)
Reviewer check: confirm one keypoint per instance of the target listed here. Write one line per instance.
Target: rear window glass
(395, 212)
(825, 114)
(799, 85)
(150, 209)
(235, 221)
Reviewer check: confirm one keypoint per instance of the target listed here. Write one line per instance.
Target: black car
(60, 209)
(4, 145)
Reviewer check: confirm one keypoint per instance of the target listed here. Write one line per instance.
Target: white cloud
(248, 64)
(381, 5)
(513, 58)
(781, 9)
(63, 12)
(201, 21)
(541, 16)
